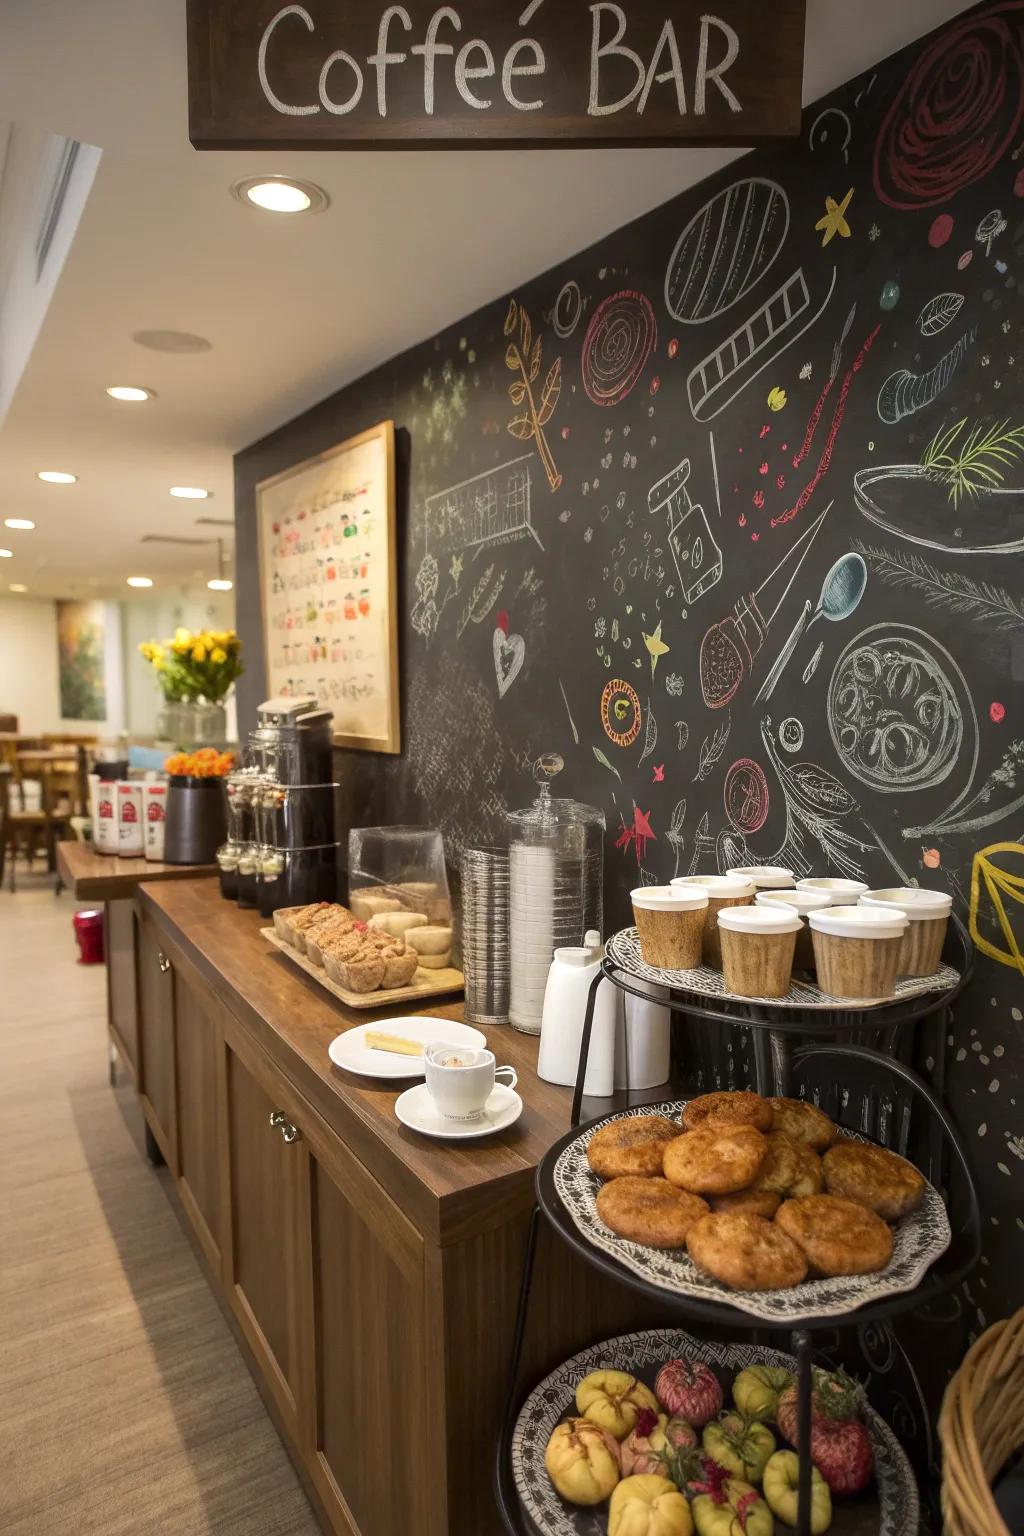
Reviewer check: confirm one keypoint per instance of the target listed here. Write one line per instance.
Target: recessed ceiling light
(220, 584)
(17, 586)
(130, 392)
(140, 581)
(189, 492)
(25, 523)
(6, 554)
(171, 341)
(56, 477)
(281, 194)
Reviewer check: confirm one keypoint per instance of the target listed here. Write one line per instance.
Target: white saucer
(351, 1051)
(416, 1109)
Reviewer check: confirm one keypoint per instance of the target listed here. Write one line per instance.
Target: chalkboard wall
(728, 511)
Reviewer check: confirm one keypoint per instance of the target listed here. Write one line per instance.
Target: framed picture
(329, 582)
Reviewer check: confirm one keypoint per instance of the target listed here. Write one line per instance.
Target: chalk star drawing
(656, 647)
(834, 223)
(638, 835)
(659, 773)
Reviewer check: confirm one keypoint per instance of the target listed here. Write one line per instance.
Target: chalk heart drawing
(899, 710)
(959, 111)
(728, 245)
(620, 338)
(509, 655)
(997, 903)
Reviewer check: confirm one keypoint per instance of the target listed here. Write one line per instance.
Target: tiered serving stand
(873, 1045)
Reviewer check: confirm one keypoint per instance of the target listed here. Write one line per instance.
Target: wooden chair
(31, 830)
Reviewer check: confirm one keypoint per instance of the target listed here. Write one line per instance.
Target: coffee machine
(282, 850)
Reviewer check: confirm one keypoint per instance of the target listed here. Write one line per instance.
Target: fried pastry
(399, 970)
(790, 1168)
(839, 1237)
(736, 1108)
(804, 1122)
(755, 1202)
(715, 1161)
(650, 1211)
(633, 1145)
(745, 1252)
(871, 1176)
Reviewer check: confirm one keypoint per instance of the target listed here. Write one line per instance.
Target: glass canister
(594, 826)
(547, 845)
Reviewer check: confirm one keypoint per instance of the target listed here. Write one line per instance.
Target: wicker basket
(981, 1425)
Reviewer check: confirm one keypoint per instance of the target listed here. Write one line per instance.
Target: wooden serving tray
(424, 984)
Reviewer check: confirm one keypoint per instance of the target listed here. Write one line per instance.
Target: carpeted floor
(125, 1407)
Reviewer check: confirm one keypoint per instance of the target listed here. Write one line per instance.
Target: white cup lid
(669, 898)
(798, 901)
(760, 920)
(717, 885)
(767, 877)
(860, 922)
(918, 905)
(850, 888)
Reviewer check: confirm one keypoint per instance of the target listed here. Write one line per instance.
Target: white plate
(351, 1052)
(416, 1109)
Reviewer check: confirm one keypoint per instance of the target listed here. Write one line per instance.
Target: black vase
(196, 820)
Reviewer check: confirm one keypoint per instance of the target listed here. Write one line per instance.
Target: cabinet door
(199, 1054)
(374, 1399)
(119, 935)
(156, 1040)
(266, 1179)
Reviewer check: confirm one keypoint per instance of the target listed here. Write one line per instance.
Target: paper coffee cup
(856, 950)
(767, 877)
(929, 913)
(731, 890)
(758, 945)
(670, 924)
(800, 902)
(842, 892)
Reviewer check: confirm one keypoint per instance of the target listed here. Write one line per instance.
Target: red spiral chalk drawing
(959, 111)
(620, 338)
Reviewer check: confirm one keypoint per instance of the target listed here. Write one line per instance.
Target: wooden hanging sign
(334, 74)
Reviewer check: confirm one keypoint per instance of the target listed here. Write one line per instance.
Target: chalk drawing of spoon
(841, 592)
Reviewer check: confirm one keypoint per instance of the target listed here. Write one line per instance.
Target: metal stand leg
(802, 1345)
(504, 1491)
(154, 1156)
(581, 1070)
(762, 1062)
(112, 1065)
(782, 1063)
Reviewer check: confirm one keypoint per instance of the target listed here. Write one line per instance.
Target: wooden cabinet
(199, 1074)
(156, 1039)
(122, 1011)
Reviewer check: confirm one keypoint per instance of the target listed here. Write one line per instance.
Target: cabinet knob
(277, 1118)
(290, 1133)
(163, 962)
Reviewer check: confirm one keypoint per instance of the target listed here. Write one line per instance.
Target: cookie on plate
(715, 1161)
(745, 1252)
(838, 1236)
(790, 1167)
(756, 1202)
(804, 1122)
(736, 1108)
(871, 1176)
(650, 1211)
(633, 1145)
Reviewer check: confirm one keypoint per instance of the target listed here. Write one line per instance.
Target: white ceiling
(294, 308)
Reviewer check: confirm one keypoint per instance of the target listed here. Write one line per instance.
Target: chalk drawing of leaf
(512, 358)
(605, 763)
(678, 816)
(525, 332)
(939, 312)
(550, 393)
(820, 790)
(521, 427)
(512, 317)
(517, 392)
(650, 734)
(536, 359)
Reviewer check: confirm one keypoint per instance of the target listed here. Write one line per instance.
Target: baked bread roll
(399, 970)
(631, 1145)
(871, 1176)
(839, 1237)
(430, 941)
(754, 1202)
(804, 1122)
(735, 1108)
(715, 1161)
(650, 1211)
(745, 1252)
(790, 1167)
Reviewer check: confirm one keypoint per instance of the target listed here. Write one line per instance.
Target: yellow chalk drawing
(1001, 892)
(777, 399)
(834, 223)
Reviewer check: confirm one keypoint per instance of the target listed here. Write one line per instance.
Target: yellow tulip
(218, 655)
(182, 636)
(199, 653)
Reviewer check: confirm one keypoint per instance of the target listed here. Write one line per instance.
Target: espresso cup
(460, 1079)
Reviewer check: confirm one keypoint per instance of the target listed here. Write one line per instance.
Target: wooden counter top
(445, 1188)
(92, 876)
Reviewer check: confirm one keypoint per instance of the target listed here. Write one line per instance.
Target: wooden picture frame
(327, 532)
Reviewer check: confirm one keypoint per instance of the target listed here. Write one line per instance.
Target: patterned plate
(623, 950)
(896, 1512)
(920, 1239)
